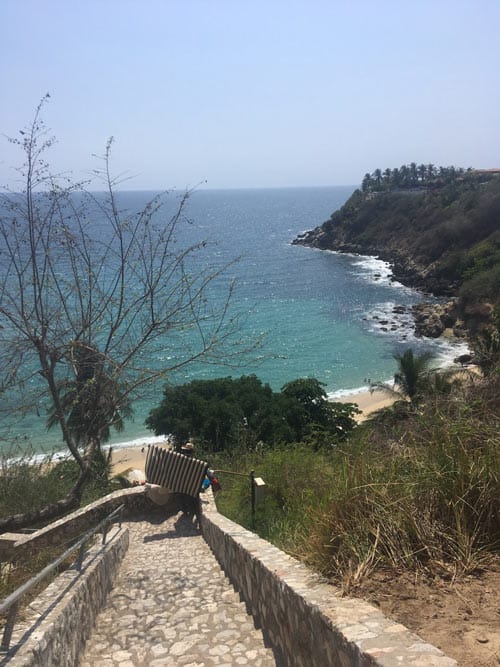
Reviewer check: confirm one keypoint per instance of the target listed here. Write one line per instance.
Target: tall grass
(25, 483)
(418, 492)
(296, 479)
(28, 484)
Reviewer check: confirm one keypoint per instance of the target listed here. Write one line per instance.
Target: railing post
(104, 532)
(9, 627)
(252, 496)
(81, 554)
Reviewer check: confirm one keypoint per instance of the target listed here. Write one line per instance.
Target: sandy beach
(368, 402)
(128, 458)
(134, 458)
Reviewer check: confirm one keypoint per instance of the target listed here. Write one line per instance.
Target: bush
(296, 479)
(25, 483)
(225, 413)
(412, 493)
(28, 484)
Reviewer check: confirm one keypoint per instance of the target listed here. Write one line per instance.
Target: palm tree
(412, 380)
(366, 184)
(387, 177)
(413, 173)
(377, 177)
(412, 377)
(405, 175)
(395, 177)
(93, 401)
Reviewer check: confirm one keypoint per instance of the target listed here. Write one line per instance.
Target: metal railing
(11, 603)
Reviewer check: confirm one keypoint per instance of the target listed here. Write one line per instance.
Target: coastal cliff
(443, 239)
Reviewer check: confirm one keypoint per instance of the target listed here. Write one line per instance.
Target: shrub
(416, 491)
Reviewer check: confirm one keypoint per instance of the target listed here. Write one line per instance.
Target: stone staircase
(158, 593)
(172, 605)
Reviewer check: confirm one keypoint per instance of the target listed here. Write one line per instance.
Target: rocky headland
(444, 241)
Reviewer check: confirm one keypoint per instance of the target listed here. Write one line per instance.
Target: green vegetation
(225, 413)
(486, 344)
(27, 486)
(444, 239)
(412, 176)
(418, 489)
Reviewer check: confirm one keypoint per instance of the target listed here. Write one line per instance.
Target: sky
(252, 93)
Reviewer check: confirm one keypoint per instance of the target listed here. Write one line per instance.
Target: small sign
(260, 489)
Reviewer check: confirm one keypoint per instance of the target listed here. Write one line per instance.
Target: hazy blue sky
(254, 93)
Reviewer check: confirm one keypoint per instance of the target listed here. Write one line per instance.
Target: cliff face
(445, 241)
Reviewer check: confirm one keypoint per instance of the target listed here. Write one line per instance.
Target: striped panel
(179, 473)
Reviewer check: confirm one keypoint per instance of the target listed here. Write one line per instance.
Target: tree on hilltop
(410, 176)
(88, 292)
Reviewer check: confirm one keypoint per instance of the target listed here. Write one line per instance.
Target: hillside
(441, 238)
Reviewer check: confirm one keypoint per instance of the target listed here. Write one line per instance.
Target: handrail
(230, 472)
(11, 602)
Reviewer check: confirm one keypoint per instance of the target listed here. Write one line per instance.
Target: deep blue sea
(320, 314)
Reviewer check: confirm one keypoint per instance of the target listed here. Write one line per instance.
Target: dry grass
(418, 491)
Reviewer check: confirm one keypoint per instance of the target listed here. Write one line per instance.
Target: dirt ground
(462, 618)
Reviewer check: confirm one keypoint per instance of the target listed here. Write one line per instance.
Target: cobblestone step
(172, 606)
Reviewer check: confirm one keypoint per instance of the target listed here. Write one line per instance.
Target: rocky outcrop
(444, 242)
(434, 319)
(431, 319)
(404, 269)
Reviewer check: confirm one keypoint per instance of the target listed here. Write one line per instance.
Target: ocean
(320, 314)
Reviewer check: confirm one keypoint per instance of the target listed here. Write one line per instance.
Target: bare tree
(87, 293)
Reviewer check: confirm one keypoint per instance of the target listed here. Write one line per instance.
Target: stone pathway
(171, 605)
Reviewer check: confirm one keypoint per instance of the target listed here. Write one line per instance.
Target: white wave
(383, 319)
(138, 442)
(38, 458)
(376, 271)
(373, 264)
(57, 456)
(448, 349)
(341, 394)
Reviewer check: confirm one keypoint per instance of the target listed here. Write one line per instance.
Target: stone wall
(306, 620)
(16, 546)
(61, 619)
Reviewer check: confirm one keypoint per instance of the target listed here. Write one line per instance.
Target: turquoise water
(320, 314)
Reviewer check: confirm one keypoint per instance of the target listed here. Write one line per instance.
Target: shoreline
(133, 458)
(367, 401)
(131, 454)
